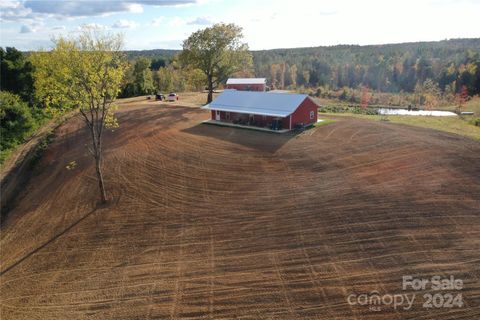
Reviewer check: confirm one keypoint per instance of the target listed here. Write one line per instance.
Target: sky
(267, 24)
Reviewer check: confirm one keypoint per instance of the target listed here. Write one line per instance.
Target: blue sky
(267, 24)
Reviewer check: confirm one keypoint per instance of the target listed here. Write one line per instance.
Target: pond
(405, 112)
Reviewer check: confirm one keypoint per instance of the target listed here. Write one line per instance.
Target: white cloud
(158, 21)
(32, 26)
(124, 24)
(327, 13)
(170, 21)
(176, 22)
(95, 8)
(201, 21)
(4, 4)
(166, 3)
(135, 8)
(14, 10)
(94, 26)
(26, 29)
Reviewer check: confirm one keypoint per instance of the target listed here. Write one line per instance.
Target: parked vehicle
(172, 97)
(160, 97)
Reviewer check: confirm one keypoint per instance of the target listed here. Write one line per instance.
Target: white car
(172, 97)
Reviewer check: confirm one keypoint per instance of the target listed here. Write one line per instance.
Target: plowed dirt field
(216, 222)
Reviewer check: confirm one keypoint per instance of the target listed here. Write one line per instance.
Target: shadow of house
(261, 141)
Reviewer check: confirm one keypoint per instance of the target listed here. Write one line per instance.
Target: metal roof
(254, 102)
(246, 81)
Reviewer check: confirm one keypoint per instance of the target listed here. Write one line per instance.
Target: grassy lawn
(471, 105)
(448, 124)
(323, 122)
(458, 125)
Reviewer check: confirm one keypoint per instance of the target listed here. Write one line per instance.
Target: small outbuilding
(247, 84)
(270, 111)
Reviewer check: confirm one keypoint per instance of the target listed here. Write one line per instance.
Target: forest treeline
(384, 68)
(444, 66)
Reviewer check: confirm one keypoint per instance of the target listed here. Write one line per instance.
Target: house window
(227, 115)
(312, 114)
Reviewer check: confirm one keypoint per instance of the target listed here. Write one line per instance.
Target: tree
(16, 74)
(281, 71)
(462, 97)
(293, 75)
(158, 63)
(273, 75)
(365, 100)
(84, 73)
(431, 94)
(163, 80)
(195, 79)
(306, 77)
(143, 81)
(218, 52)
(16, 121)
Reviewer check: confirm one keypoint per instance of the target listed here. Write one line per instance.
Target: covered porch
(236, 125)
(250, 120)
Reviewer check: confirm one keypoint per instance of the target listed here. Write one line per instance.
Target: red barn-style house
(247, 84)
(272, 111)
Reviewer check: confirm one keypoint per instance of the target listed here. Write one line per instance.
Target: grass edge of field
(453, 125)
(323, 122)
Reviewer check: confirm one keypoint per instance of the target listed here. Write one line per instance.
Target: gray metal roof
(254, 102)
(246, 81)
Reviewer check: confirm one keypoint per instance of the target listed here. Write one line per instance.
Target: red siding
(302, 114)
(247, 87)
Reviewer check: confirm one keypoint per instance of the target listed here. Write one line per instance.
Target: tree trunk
(101, 184)
(210, 89)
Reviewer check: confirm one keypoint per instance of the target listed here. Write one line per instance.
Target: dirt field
(215, 222)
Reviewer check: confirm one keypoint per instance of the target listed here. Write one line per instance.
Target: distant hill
(154, 53)
(450, 64)
(453, 44)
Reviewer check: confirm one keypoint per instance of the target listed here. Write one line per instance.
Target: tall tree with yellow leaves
(85, 74)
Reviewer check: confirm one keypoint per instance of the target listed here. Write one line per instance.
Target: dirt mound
(218, 222)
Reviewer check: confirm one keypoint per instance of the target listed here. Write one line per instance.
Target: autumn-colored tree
(306, 77)
(84, 73)
(431, 94)
(461, 98)
(365, 99)
(293, 75)
(218, 51)
(273, 75)
(281, 71)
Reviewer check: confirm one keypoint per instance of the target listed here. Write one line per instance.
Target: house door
(217, 115)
